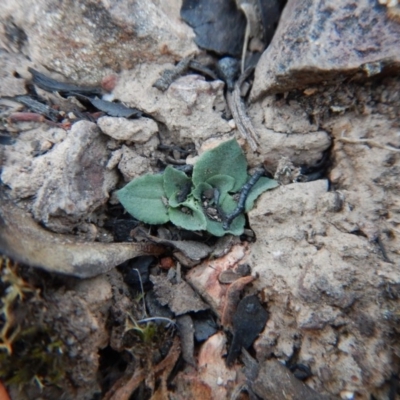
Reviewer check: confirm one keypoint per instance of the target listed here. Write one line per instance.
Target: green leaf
(262, 185)
(193, 220)
(237, 226)
(142, 198)
(175, 199)
(176, 181)
(200, 189)
(226, 159)
(224, 184)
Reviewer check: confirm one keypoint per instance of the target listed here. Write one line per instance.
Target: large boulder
(320, 41)
(85, 40)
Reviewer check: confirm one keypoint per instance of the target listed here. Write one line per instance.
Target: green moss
(28, 353)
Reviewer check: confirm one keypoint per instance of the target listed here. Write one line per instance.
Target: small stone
(167, 263)
(132, 164)
(109, 82)
(137, 130)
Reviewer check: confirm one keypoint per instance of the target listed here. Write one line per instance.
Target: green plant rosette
(188, 215)
(226, 159)
(143, 199)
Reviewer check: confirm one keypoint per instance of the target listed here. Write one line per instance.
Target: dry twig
(369, 142)
(238, 110)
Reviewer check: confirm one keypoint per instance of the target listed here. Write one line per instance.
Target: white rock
(131, 130)
(132, 164)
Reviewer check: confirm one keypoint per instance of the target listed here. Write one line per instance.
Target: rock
(115, 158)
(317, 42)
(212, 22)
(189, 109)
(274, 382)
(68, 182)
(19, 159)
(212, 379)
(137, 130)
(11, 68)
(303, 147)
(132, 164)
(79, 184)
(191, 112)
(90, 40)
(204, 278)
(285, 116)
(310, 274)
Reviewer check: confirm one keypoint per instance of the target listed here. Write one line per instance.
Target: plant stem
(242, 199)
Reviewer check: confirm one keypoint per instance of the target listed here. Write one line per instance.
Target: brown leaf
(190, 248)
(204, 278)
(180, 298)
(24, 240)
(185, 327)
(123, 388)
(232, 299)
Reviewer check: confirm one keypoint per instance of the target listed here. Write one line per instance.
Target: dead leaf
(204, 278)
(232, 299)
(123, 388)
(192, 387)
(180, 298)
(212, 369)
(22, 239)
(185, 327)
(3, 392)
(248, 321)
(276, 382)
(190, 248)
(166, 366)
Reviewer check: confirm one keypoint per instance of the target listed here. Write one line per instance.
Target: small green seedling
(214, 198)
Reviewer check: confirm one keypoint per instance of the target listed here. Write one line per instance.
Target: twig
(242, 199)
(238, 110)
(369, 142)
(174, 161)
(170, 75)
(123, 388)
(196, 66)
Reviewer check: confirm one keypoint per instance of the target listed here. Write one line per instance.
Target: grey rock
(137, 131)
(86, 40)
(69, 181)
(77, 182)
(275, 381)
(132, 164)
(204, 327)
(302, 148)
(318, 41)
(10, 66)
(190, 109)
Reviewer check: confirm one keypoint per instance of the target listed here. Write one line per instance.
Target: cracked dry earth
(326, 252)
